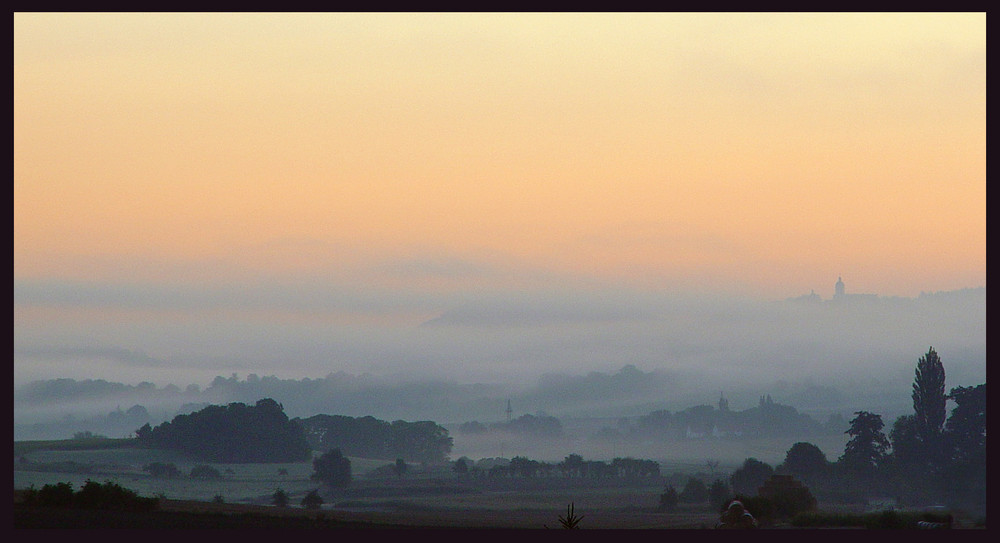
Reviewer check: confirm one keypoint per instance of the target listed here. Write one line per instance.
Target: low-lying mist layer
(599, 355)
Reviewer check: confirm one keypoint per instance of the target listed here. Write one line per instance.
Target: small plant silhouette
(570, 521)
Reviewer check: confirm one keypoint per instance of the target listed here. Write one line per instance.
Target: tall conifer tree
(929, 397)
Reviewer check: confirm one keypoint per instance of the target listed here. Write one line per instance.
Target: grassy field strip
(594, 498)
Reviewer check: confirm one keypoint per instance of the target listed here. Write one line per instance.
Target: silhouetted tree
(422, 441)
(236, 433)
(368, 437)
(312, 500)
(461, 466)
(963, 478)
(866, 450)
(111, 496)
(965, 429)
(805, 461)
(333, 469)
(929, 401)
(750, 476)
(669, 499)
(57, 495)
(144, 433)
(279, 498)
(906, 449)
(572, 465)
(92, 495)
(788, 496)
(719, 494)
(694, 491)
(400, 467)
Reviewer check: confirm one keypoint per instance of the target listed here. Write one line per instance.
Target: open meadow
(425, 496)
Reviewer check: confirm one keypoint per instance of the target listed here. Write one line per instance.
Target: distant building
(840, 293)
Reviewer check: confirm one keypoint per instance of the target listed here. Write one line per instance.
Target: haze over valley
(587, 360)
(423, 216)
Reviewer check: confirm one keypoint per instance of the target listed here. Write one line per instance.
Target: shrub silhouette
(789, 496)
(570, 521)
(92, 495)
(312, 500)
(279, 498)
(57, 495)
(669, 499)
(109, 495)
(694, 491)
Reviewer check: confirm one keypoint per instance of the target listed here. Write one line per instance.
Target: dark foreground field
(201, 515)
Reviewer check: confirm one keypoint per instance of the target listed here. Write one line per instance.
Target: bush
(57, 495)
(719, 494)
(694, 491)
(279, 498)
(332, 468)
(92, 495)
(236, 433)
(312, 500)
(750, 476)
(30, 495)
(789, 496)
(669, 499)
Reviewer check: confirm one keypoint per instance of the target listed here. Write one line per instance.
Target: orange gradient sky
(756, 154)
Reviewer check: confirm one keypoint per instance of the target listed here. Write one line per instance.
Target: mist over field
(594, 354)
(421, 216)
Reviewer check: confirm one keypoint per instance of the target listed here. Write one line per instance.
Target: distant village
(839, 295)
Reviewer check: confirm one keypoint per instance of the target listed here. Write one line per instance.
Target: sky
(300, 193)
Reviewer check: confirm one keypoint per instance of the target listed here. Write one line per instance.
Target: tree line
(368, 437)
(767, 419)
(572, 466)
(929, 456)
(235, 433)
(238, 433)
(526, 425)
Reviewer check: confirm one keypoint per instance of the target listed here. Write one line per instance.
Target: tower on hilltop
(838, 289)
(723, 402)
